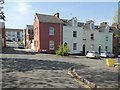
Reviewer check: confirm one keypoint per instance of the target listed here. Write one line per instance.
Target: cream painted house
(72, 35)
(93, 40)
(87, 38)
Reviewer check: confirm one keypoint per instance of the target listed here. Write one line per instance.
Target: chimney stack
(57, 15)
(103, 23)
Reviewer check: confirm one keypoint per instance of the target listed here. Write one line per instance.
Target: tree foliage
(2, 16)
(63, 50)
(116, 18)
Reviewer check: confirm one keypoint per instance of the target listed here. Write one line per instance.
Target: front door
(83, 49)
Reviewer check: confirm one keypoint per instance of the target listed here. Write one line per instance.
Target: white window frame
(74, 34)
(107, 38)
(106, 48)
(92, 25)
(92, 36)
(51, 31)
(51, 45)
(74, 47)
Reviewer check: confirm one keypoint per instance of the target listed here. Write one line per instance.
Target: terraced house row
(50, 31)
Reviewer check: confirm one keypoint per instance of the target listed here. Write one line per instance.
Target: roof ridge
(48, 18)
(44, 14)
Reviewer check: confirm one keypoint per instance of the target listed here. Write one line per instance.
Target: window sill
(51, 49)
(92, 39)
(84, 39)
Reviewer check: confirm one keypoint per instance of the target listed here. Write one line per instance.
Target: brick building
(29, 34)
(48, 32)
(115, 28)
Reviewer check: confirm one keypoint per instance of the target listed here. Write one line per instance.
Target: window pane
(106, 38)
(51, 45)
(74, 33)
(92, 36)
(74, 46)
(51, 31)
(106, 48)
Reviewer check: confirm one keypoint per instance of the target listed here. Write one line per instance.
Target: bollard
(110, 62)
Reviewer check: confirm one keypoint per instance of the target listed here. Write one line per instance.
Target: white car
(107, 54)
(93, 54)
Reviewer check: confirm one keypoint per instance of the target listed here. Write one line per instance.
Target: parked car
(9, 40)
(107, 54)
(21, 46)
(92, 54)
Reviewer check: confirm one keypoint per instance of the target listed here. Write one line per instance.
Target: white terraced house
(87, 37)
(14, 34)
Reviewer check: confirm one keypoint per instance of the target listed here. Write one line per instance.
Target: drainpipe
(60, 34)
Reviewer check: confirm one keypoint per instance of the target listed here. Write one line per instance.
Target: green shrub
(62, 51)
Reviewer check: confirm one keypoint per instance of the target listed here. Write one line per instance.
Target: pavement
(34, 69)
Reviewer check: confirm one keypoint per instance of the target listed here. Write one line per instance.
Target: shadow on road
(103, 78)
(22, 65)
(10, 50)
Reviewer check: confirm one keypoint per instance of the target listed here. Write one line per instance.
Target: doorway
(84, 49)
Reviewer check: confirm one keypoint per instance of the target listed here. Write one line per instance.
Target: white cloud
(22, 7)
(63, 0)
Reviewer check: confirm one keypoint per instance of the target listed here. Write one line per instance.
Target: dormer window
(92, 25)
(107, 28)
(74, 21)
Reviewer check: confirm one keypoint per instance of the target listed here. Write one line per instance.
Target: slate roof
(81, 24)
(11, 29)
(48, 18)
(29, 26)
(67, 22)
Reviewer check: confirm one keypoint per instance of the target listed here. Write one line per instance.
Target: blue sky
(19, 14)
